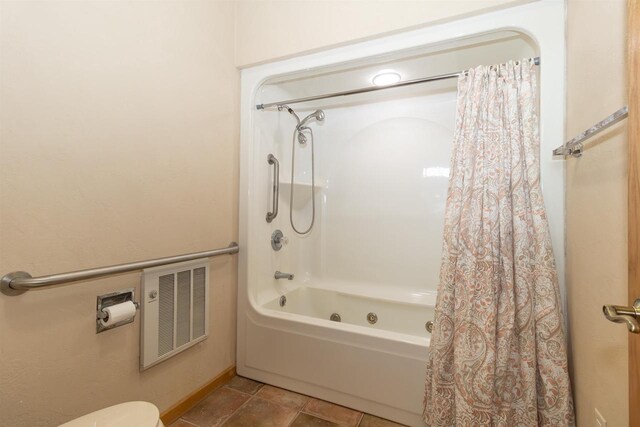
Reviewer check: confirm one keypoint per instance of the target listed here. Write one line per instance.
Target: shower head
(302, 139)
(318, 115)
(301, 126)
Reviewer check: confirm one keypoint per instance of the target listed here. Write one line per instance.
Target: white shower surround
(334, 361)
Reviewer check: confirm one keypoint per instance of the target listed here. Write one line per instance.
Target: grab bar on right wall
(271, 159)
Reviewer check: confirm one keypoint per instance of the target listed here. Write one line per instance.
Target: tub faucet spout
(281, 275)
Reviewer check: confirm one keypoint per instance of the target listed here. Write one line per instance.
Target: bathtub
(374, 364)
(372, 258)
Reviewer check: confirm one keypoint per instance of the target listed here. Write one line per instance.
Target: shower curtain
(498, 353)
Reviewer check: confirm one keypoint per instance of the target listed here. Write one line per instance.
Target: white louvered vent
(175, 310)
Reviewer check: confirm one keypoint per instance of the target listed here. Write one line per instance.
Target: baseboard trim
(174, 412)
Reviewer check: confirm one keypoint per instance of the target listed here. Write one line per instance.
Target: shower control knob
(153, 294)
(277, 240)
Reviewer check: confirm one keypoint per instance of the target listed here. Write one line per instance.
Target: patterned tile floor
(246, 403)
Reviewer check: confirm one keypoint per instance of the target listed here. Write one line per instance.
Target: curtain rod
(536, 61)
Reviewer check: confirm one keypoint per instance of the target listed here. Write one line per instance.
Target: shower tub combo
(342, 204)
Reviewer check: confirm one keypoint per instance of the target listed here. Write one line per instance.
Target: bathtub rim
(351, 328)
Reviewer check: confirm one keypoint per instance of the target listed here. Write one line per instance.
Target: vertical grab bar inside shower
(271, 159)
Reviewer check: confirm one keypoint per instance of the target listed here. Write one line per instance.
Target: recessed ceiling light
(385, 78)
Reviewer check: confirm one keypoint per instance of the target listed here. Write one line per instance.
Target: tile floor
(246, 403)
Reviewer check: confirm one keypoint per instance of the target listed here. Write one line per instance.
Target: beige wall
(119, 142)
(269, 29)
(596, 204)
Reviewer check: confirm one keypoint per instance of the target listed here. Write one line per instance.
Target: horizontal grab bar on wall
(18, 282)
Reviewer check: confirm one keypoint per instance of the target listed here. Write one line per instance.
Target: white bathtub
(381, 176)
(377, 368)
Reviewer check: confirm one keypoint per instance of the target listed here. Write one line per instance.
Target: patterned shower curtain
(498, 353)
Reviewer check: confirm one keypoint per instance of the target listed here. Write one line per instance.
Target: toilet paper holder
(113, 298)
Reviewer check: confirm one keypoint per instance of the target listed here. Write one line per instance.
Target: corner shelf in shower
(302, 193)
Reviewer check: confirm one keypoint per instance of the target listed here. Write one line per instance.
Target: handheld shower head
(318, 115)
(302, 124)
(302, 139)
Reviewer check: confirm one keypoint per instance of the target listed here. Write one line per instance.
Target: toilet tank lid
(129, 414)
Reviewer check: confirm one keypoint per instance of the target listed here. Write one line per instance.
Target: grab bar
(271, 159)
(19, 282)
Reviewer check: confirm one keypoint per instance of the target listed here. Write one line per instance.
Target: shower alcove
(381, 176)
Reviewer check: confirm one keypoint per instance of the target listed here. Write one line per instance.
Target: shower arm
(290, 110)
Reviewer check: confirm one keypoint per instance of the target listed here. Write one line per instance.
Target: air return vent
(175, 310)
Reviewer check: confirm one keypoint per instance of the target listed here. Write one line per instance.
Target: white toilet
(129, 414)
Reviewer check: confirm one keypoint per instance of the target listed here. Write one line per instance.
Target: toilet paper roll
(118, 313)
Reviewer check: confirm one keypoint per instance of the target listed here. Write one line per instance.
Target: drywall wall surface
(118, 142)
(596, 204)
(273, 29)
